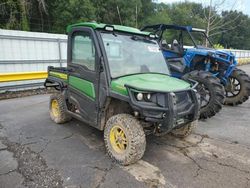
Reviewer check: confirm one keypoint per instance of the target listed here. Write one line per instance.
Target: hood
(201, 50)
(148, 81)
(210, 51)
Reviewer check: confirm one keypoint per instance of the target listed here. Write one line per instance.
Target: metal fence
(240, 54)
(22, 52)
(29, 52)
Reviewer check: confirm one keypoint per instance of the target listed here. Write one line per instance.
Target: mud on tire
(208, 83)
(185, 130)
(135, 136)
(240, 94)
(60, 114)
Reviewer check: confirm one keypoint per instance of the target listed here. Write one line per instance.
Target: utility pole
(119, 14)
(136, 15)
(209, 21)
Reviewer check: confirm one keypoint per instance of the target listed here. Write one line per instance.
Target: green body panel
(84, 86)
(156, 82)
(59, 75)
(101, 26)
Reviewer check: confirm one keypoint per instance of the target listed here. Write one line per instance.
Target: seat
(177, 48)
(177, 64)
(164, 45)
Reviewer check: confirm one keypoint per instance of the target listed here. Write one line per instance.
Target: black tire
(238, 90)
(60, 114)
(211, 92)
(135, 139)
(185, 130)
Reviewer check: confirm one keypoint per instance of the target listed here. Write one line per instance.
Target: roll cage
(159, 29)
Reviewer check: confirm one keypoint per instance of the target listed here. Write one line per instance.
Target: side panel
(178, 65)
(87, 88)
(169, 54)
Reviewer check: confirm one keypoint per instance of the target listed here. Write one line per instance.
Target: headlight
(139, 96)
(148, 96)
(143, 97)
(174, 97)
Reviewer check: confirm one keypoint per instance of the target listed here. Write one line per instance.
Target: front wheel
(185, 130)
(124, 139)
(237, 90)
(210, 90)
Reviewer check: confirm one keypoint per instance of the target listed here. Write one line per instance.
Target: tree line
(227, 28)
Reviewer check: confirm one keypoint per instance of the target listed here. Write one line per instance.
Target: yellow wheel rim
(118, 139)
(55, 108)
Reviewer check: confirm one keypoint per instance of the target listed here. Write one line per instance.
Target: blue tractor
(190, 54)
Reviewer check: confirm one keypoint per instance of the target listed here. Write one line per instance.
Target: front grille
(183, 100)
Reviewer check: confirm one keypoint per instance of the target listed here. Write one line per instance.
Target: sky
(240, 5)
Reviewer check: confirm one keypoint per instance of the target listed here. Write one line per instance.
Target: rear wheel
(124, 139)
(211, 92)
(185, 130)
(58, 109)
(237, 90)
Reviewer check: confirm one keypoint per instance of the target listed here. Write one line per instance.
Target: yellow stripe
(60, 75)
(242, 61)
(20, 76)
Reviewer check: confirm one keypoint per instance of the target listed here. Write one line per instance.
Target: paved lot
(35, 152)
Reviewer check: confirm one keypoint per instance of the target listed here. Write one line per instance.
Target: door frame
(92, 81)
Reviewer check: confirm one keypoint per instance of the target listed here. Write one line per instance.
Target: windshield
(201, 39)
(173, 36)
(133, 55)
(183, 38)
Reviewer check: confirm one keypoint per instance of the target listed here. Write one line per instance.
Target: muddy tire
(238, 89)
(124, 139)
(185, 130)
(211, 92)
(58, 109)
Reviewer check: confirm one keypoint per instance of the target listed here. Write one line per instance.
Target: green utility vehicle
(117, 81)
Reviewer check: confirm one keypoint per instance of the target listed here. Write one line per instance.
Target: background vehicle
(198, 54)
(186, 65)
(111, 84)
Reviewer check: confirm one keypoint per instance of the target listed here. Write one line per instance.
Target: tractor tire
(185, 130)
(209, 86)
(58, 109)
(237, 95)
(124, 139)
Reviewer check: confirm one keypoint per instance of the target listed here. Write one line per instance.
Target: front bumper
(170, 110)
